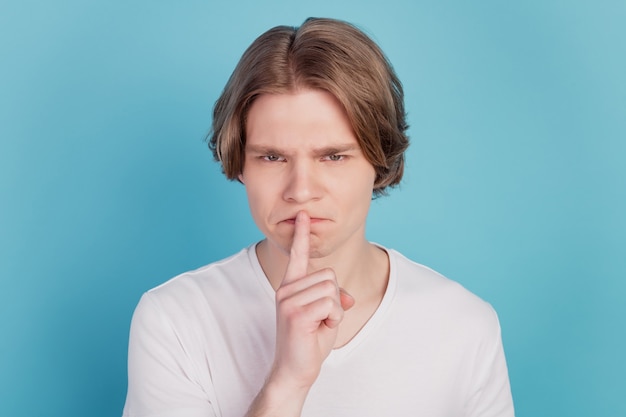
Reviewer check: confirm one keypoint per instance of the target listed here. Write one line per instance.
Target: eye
(272, 158)
(335, 157)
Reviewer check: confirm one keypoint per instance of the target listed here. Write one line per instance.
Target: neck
(361, 268)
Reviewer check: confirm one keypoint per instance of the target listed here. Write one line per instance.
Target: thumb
(347, 301)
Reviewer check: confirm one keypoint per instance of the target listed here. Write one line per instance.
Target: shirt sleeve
(162, 380)
(492, 396)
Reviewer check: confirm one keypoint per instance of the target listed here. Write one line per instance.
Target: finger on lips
(302, 288)
(299, 254)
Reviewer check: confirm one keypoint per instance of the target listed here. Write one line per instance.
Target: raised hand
(309, 310)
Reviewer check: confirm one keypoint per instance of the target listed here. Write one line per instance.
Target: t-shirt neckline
(374, 321)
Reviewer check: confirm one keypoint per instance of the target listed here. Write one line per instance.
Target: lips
(312, 219)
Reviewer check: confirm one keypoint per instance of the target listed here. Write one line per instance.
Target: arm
(492, 397)
(309, 309)
(160, 375)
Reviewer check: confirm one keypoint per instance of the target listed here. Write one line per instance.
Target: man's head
(322, 54)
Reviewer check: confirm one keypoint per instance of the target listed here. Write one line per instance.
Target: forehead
(302, 118)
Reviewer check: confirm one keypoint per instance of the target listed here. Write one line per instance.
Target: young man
(314, 320)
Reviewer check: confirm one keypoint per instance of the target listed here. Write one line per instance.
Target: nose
(302, 183)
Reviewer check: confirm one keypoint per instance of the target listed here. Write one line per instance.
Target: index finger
(299, 254)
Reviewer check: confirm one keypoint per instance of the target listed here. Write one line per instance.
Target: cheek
(257, 210)
(260, 199)
(255, 199)
(360, 183)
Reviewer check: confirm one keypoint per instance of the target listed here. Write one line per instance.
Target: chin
(320, 250)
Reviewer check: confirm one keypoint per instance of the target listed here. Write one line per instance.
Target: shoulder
(442, 299)
(187, 303)
(214, 274)
(213, 282)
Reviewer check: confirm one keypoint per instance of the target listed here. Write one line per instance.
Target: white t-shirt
(202, 344)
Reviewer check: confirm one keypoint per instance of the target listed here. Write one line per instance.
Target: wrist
(279, 397)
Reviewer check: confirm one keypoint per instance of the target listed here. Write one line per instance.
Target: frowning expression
(302, 154)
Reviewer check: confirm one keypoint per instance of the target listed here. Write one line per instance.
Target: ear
(240, 178)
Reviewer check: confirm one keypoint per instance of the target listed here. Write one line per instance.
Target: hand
(309, 309)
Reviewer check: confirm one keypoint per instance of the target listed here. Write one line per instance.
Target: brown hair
(325, 54)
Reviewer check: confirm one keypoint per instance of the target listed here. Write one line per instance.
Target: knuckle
(288, 310)
(282, 293)
(329, 303)
(329, 272)
(328, 286)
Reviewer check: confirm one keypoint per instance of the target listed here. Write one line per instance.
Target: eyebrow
(335, 149)
(326, 150)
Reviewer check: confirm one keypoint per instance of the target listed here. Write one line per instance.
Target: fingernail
(344, 292)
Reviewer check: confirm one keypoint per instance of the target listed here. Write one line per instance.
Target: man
(314, 320)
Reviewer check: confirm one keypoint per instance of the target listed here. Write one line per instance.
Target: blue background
(515, 183)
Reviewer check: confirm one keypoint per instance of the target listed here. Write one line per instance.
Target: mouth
(313, 220)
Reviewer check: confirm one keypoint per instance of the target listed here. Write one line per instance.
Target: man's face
(301, 154)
